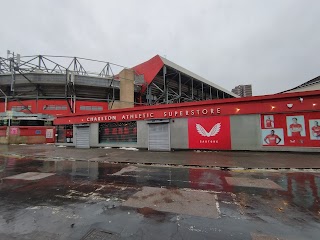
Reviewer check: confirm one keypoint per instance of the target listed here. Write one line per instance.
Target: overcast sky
(272, 44)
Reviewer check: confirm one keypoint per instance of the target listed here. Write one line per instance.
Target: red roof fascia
(248, 100)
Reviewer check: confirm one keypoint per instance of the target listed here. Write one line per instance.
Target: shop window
(17, 122)
(20, 108)
(65, 133)
(30, 123)
(91, 108)
(118, 132)
(54, 107)
(48, 123)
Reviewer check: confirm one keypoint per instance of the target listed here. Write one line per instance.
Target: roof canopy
(169, 82)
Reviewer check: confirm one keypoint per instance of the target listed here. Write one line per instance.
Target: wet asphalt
(85, 200)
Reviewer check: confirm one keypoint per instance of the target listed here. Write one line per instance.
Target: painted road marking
(30, 176)
(251, 182)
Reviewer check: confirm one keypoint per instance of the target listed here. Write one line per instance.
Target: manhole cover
(98, 234)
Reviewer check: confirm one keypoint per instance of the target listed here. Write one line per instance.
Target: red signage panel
(209, 133)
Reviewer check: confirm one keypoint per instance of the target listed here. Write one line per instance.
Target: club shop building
(281, 122)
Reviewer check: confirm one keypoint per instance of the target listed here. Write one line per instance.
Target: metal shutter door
(82, 138)
(159, 137)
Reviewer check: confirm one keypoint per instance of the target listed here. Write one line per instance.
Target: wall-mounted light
(273, 107)
(301, 100)
(237, 109)
(314, 104)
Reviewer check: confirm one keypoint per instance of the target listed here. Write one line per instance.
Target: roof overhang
(195, 76)
(151, 68)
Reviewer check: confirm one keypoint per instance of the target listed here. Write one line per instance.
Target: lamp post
(14, 65)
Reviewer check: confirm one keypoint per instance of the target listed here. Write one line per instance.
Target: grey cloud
(272, 44)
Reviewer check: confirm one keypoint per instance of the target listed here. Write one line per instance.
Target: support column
(179, 87)
(126, 78)
(202, 91)
(165, 87)
(192, 88)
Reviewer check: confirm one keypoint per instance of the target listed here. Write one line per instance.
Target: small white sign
(49, 133)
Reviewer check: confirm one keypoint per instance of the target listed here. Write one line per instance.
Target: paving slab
(257, 236)
(194, 203)
(30, 176)
(251, 182)
(98, 234)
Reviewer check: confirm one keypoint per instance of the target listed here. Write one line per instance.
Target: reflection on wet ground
(302, 188)
(90, 194)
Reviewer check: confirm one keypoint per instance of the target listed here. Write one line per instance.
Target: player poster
(314, 128)
(291, 130)
(268, 121)
(273, 137)
(296, 126)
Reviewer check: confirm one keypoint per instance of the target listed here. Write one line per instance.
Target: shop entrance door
(82, 137)
(159, 137)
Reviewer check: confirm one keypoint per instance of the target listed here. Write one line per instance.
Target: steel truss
(58, 64)
(169, 86)
(69, 66)
(173, 86)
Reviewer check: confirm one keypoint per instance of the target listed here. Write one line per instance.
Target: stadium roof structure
(167, 82)
(157, 81)
(313, 84)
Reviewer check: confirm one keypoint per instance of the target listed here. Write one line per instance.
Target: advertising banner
(299, 129)
(209, 133)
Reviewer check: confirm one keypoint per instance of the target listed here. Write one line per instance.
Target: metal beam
(202, 90)
(5, 100)
(157, 87)
(179, 87)
(191, 88)
(165, 87)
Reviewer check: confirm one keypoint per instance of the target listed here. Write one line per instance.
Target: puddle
(301, 189)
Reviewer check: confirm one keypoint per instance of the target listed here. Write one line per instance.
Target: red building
(281, 122)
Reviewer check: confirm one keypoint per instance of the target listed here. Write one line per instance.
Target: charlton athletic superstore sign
(298, 130)
(209, 133)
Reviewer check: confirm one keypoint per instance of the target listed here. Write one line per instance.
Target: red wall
(33, 131)
(3, 131)
(270, 104)
(38, 106)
